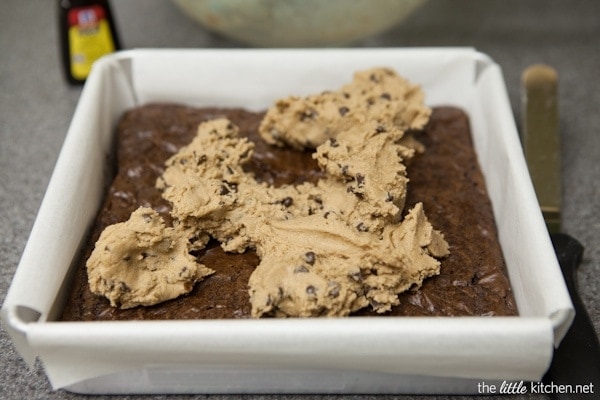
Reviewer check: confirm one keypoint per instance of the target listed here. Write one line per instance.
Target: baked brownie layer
(446, 179)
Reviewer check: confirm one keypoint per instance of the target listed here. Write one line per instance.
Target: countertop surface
(36, 106)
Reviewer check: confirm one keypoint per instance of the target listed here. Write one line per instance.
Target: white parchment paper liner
(381, 350)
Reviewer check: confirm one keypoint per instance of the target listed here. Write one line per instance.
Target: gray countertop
(36, 106)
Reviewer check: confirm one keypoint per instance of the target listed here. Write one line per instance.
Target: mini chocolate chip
(127, 258)
(360, 179)
(345, 169)
(386, 96)
(310, 257)
(317, 199)
(380, 129)
(362, 227)
(334, 289)
(201, 159)
(231, 186)
(352, 189)
(311, 290)
(343, 110)
(357, 276)
(147, 218)
(311, 113)
(375, 304)
(224, 190)
(333, 142)
(288, 201)
(373, 78)
(389, 197)
(346, 95)
(301, 269)
(370, 102)
(326, 214)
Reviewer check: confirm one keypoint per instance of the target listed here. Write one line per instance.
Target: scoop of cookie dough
(378, 94)
(203, 179)
(203, 176)
(316, 266)
(366, 161)
(142, 262)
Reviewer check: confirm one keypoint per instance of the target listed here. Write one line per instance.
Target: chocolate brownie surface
(446, 179)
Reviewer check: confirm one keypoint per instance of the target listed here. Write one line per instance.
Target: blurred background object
(298, 23)
(87, 32)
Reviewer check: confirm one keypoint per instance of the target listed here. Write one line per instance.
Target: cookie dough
(142, 262)
(326, 249)
(378, 94)
(318, 266)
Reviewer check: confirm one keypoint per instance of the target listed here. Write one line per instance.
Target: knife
(577, 360)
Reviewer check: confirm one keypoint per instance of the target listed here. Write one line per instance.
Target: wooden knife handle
(541, 139)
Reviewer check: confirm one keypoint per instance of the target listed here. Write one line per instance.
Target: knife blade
(577, 360)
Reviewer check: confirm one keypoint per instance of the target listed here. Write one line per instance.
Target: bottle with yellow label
(88, 32)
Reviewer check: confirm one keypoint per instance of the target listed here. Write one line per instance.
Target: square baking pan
(330, 355)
